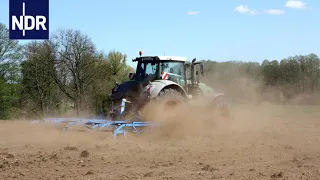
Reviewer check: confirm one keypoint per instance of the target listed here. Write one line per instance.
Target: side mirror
(116, 83)
(132, 76)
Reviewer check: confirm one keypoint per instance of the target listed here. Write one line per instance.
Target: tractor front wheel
(222, 106)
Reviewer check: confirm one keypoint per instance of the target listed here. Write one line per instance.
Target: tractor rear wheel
(163, 103)
(170, 98)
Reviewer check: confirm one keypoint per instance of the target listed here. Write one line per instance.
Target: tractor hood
(120, 91)
(209, 91)
(206, 89)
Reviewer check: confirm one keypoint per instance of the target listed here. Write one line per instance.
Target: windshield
(148, 70)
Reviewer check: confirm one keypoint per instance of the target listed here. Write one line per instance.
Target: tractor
(170, 80)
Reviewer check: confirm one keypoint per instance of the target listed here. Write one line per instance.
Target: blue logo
(29, 19)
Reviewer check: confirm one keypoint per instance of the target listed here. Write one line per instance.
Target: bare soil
(258, 142)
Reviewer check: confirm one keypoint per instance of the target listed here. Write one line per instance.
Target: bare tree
(76, 58)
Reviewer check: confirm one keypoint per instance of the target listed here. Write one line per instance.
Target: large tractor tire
(162, 104)
(222, 106)
(170, 98)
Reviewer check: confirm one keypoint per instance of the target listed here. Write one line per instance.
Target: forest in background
(48, 78)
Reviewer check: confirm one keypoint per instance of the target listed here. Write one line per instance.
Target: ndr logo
(29, 19)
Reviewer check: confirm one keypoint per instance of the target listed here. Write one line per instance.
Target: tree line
(292, 80)
(68, 72)
(51, 77)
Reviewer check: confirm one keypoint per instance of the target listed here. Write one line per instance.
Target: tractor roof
(174, 58)
(163, 58)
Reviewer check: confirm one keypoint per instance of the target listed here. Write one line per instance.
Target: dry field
(259, 142)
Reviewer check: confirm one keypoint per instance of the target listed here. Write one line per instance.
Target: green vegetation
(48, 78)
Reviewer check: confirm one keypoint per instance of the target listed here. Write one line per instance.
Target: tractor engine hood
(209, 91)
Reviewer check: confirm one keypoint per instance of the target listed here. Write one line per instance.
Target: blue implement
(119, 127)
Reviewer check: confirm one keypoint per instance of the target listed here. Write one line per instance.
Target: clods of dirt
(11, 156)
(209, 168)
(277, 175)
(89, 172)
(84, 154)
(149, 174)
(54, 156)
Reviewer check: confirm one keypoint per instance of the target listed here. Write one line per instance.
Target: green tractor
(170, 80)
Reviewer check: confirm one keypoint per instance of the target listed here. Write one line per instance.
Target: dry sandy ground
(262, 142)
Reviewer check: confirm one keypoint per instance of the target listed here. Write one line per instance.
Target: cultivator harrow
(117, 127)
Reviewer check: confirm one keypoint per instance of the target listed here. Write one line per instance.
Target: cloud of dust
(190, 120)
(197, 119)
(249, 112)
(240, 90)
(194, 118)
(19, 133)
(252, 90)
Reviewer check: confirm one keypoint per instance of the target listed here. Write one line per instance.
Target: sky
(239, 30)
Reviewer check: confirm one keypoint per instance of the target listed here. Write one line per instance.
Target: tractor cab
(157, 68)
(171, 68)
